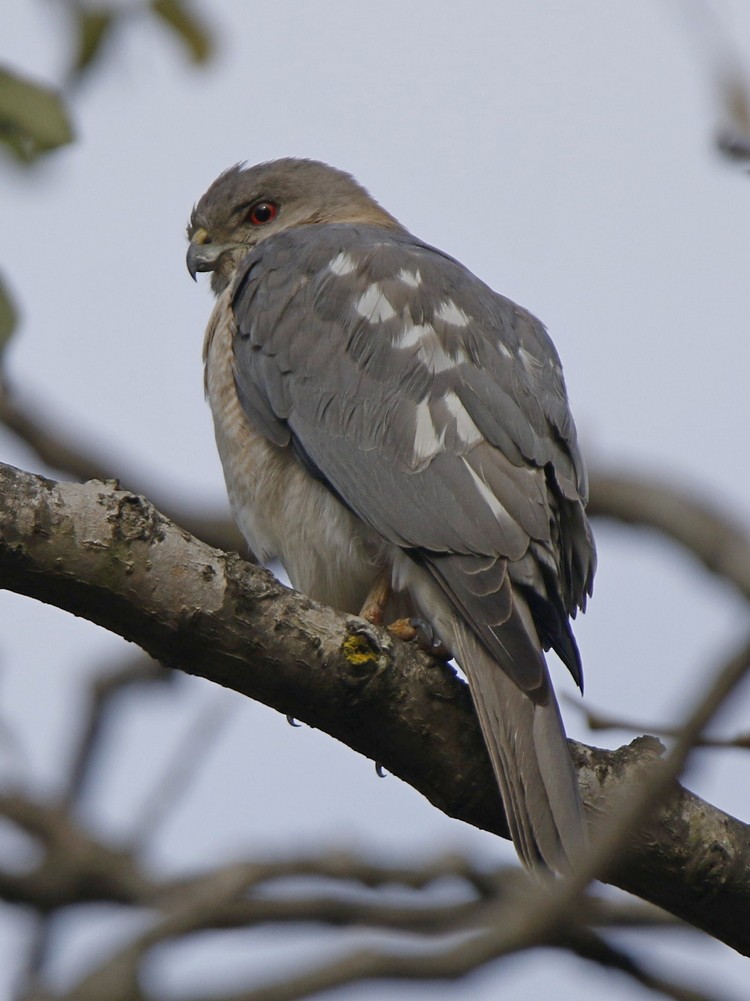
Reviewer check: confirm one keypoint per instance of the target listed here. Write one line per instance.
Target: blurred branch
(596, 719)
(450, 964)
(118, 980)
(721, 544)
(61, 453)
(236, 883)
(75, 867)
(52, 447)
(181, 770)
(110, 556)
(227, 897)
(104, 692)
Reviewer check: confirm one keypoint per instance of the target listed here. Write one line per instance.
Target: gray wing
(435, 409)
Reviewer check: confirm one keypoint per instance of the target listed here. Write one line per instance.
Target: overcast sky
(563, 151)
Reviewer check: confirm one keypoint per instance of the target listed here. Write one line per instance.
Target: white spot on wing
(449, 312)
(466, 429)
(374, 306)
(413, 335)
(504, 349)
(486, 494)
(437, 359)
(440, 360)
(427, 442)
(411, 278)
(342, 264)
(530, 362)
(431, 352)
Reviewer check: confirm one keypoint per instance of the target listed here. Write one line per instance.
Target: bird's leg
(377, 598)
(374, 609)
(421, 631)
(410, 629)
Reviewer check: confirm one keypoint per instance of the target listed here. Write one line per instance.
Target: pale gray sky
(563, 152)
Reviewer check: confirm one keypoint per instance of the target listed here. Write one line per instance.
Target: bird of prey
(390, 426)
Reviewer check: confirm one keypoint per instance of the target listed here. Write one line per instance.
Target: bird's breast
(282, 510)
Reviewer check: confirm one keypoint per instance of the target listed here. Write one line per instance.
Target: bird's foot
(403, 629)
(421, 632)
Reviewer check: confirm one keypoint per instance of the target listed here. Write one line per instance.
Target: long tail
(530, 756)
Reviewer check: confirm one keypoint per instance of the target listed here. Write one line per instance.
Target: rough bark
(111, 557)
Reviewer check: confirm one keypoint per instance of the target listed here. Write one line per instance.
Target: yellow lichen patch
(358, 650)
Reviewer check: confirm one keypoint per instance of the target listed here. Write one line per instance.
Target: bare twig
(596, 719)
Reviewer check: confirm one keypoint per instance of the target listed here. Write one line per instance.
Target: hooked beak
(202, 255)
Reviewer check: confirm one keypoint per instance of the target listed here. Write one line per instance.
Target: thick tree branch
(108, 555)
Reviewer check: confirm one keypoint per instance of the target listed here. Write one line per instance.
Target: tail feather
(529, 753)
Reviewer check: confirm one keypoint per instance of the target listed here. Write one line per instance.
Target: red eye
(261, 213)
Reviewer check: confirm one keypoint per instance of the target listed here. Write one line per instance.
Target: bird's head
(245, 205)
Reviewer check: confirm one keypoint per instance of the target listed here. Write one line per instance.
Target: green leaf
(8, 316)
(93, 27)
(194, 35)
(33, 118)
